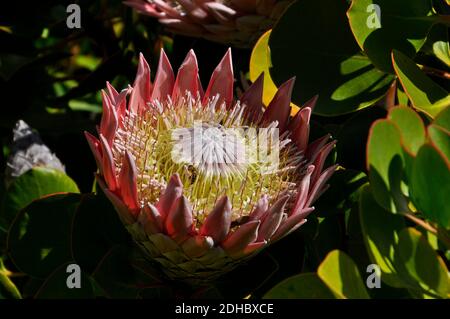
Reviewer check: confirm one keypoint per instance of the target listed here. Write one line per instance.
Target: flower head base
(236, 22)
(201, 181)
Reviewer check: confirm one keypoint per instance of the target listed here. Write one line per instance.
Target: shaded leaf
(55, 286)
(430, 185)
(440, 138)
(443, 119)
(32, 185)
(325, 59)
(419, 264)
(116, 277)
(381, 26)
(380, 232)
(385, 165)
(8, 289)
(39, 238)
(96, 225)
(303, 286)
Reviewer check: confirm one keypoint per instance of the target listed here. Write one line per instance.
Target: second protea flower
(235, 22)
(202, 181)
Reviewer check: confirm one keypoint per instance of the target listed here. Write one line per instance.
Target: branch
(441, 234)
(435, 72)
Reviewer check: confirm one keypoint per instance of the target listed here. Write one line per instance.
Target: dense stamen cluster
(215, 170)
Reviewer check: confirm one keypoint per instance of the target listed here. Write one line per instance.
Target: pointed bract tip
(311, 103)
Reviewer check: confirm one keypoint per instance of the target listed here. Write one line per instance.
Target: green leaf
(385, 165)
(430, 185)
(96, 229)
(117, 276)
(339, 272)
(32, 185)
(412, 131)
(303, 286)
(443, 119)
(440, 138)
(79, 105)
(39, 238)
(424, 94)
(7, 288)
(381, 26)
(380, 232)
(419, 264)
(325, 59)
(442, 51)
(402, 97)
(411, 128)
(55, 286)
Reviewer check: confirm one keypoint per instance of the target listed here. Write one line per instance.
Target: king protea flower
(236, 22)
(199, 219)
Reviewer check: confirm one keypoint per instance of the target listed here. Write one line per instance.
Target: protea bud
(202, 181)
(235, 22)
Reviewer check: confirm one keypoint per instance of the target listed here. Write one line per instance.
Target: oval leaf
(56, 285)
(440, 138)
(97, 226)
(380, 231)
(430, 185)
(385, 165)
(419, 264)
(303, 286)
(34, 184)
(339, 272)
(380, 26)
(424, 94)
(443, 119)
(325, 58)
(411, 128)
(39, 238)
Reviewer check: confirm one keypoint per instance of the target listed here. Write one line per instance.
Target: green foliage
(417, 189)
(424, 94)
(341, 275)
(387, 204)
(303, 286)
(39, 238)
(380, 233)
(325, 59)
(337, 277)
(402, 25)
(7, 288)
(413, 168)
(352, 52)
(34, 184)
